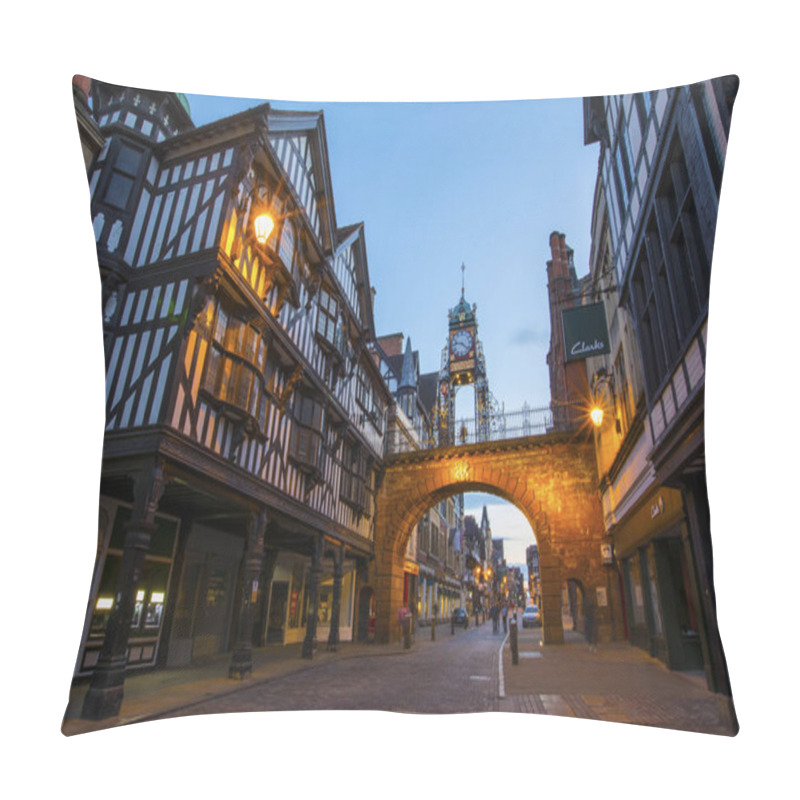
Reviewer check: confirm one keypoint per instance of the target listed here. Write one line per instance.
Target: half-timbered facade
(660, 169)
(245, 419)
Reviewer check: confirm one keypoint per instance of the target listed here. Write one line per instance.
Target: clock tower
(463, 364)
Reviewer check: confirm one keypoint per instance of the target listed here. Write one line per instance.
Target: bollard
(407, 632)
(452, 625)
(433, 629)
(514, 644)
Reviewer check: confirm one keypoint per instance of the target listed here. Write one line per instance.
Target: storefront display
(151, 594)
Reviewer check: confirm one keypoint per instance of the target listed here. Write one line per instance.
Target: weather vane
(463, 268)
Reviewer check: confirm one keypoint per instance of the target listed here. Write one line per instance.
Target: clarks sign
(585, 332)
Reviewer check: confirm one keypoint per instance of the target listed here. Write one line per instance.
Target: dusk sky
(441, 184)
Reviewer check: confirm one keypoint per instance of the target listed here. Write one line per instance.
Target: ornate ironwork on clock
(463, 364)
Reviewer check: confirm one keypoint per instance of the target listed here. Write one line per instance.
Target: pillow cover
(282, 487)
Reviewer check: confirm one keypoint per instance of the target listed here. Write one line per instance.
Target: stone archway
(551, 479)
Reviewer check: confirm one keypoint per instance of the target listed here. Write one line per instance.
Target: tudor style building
(659, 175)
(245, 419)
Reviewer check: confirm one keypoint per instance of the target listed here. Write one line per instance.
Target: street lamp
(602, 396)
(263, 226)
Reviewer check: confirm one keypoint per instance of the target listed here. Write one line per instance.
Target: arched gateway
(552, 479)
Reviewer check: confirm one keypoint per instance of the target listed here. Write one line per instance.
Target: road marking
(501, 687)
(530, 655)
(479, 678)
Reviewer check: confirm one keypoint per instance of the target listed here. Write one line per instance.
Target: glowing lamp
(263, 227)
(596, 415)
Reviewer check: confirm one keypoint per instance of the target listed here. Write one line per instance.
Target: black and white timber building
(245, 418)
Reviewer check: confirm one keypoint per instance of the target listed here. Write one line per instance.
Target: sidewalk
(618, 683)
(153, 693)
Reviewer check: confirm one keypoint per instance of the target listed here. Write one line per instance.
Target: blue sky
(438, 184)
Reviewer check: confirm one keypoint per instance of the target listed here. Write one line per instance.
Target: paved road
(465, 673)
(454, 674)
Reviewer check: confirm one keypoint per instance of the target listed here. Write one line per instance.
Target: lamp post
(476, 595)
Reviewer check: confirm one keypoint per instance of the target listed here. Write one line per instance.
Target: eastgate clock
(461, 343)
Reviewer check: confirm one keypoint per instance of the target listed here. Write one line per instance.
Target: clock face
(461, 343)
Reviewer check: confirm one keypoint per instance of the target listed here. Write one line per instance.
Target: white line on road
(501, 689)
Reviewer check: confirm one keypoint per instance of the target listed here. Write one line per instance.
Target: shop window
(635, 591)
(648, 576)
(151, 592)
(295, 597)
(325, 603)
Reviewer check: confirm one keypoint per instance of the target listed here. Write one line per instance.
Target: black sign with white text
(585, 332)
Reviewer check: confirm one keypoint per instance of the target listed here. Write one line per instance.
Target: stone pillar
(336, 606)
(315, 575)
(550, 577)
(242, 658)
(388, 600)
(265, 585)
(104, 697)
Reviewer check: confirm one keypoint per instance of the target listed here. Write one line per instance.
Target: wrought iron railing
(497, 427)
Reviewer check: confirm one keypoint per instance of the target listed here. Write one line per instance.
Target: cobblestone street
(454, 674)
(466, 673)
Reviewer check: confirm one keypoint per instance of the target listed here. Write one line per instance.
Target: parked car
(460, 617)
(531, 617)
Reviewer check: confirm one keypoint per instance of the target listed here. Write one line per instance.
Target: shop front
(289, 598)
(152, 592)
(654, 556)
(204, 608)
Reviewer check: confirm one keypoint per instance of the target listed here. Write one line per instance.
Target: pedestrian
(590, 622)
(505, 618)
(494, 614)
